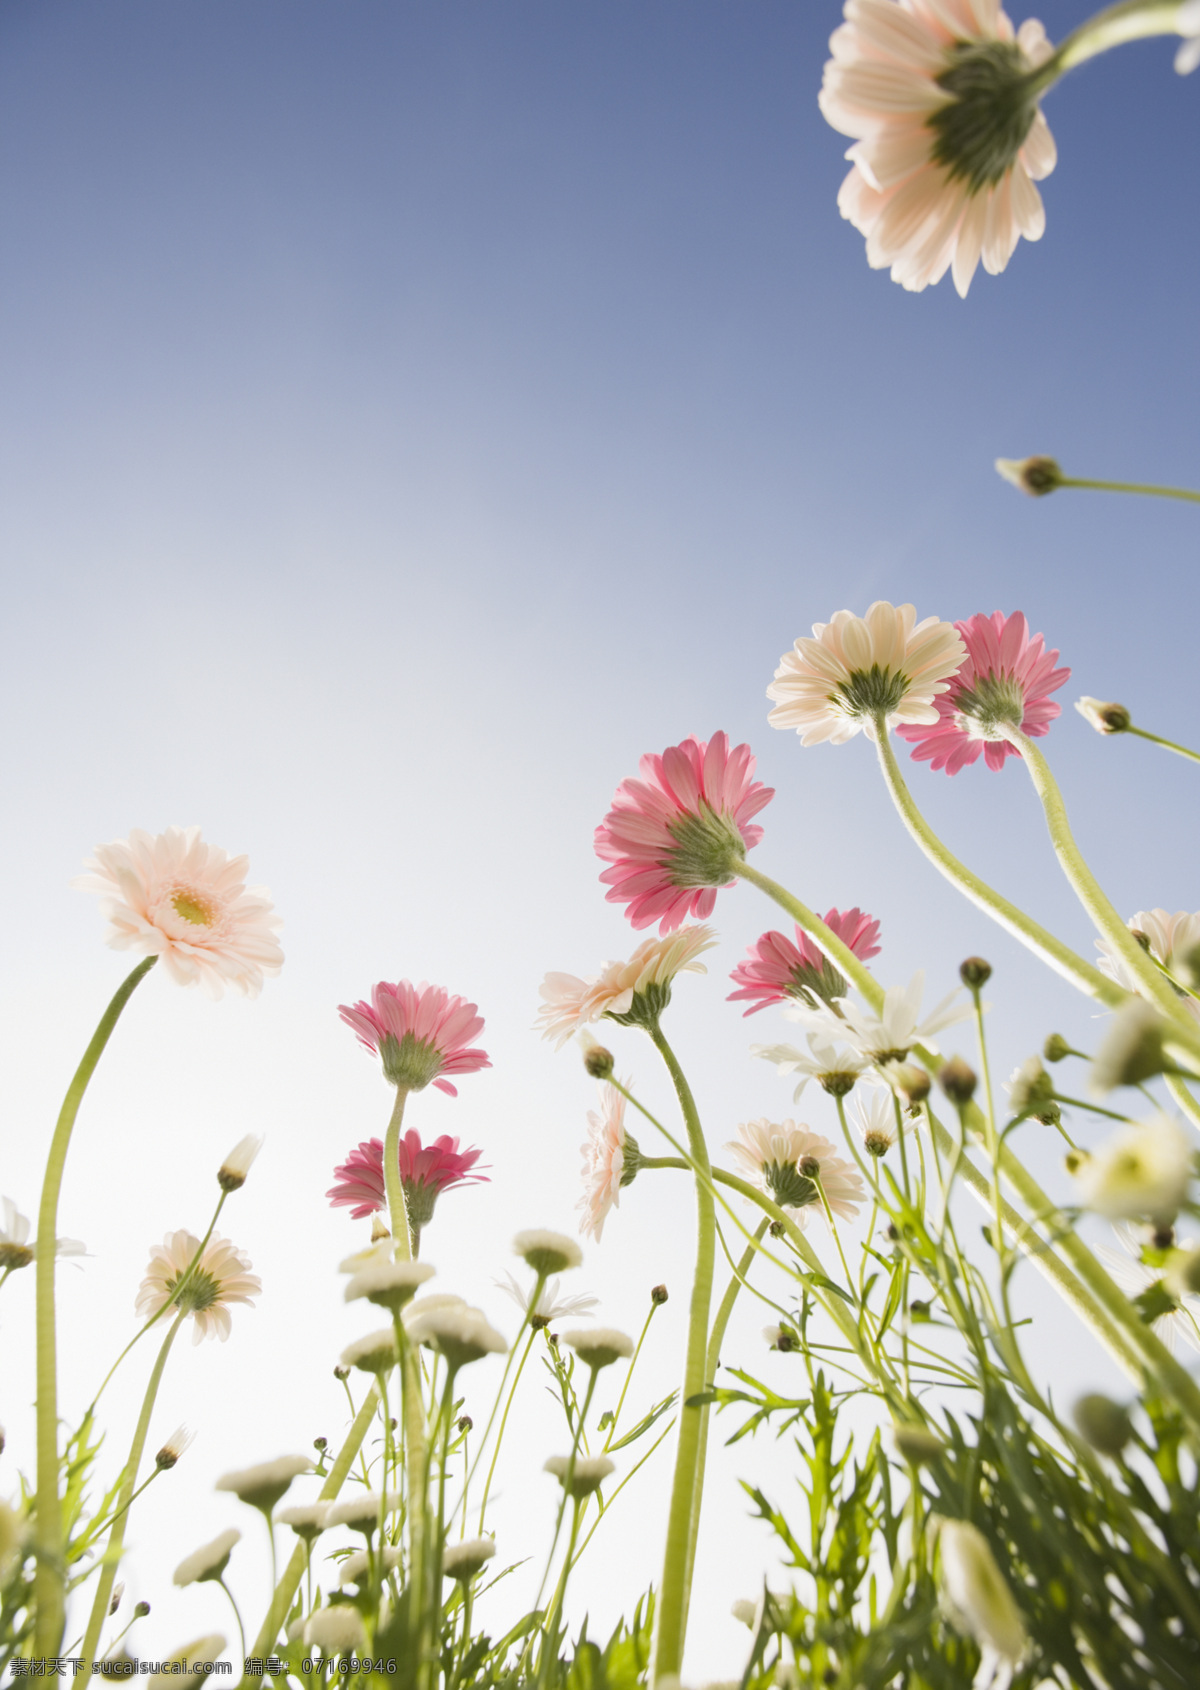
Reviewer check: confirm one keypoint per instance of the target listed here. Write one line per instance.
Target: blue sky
(409, 414)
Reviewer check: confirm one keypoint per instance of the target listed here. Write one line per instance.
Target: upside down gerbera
(1167, 938)
(775, 969)
(857, 669)
(220, 1277)
(420, 1033)
(425, 1172)
(569, 1003)
(610, 1160)
(788, 1161)
(940, 98)
(1005, 681)
(674, 835)
(172, 896)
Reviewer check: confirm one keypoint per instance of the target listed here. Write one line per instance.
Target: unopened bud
(957, 1080)
(231, 1175)
(379, 1228)
(975, 972)
(777, 1229)
(141, 1610)
(1105, 718)
(916, 1444)
(464, 1423)
(321, 1443)
(341, 1372)
(114, 1601)
(180, 1441)
(1055, 1048)
(918, 1310)
(911, 1082)
(808, 1166)
(1103, 1422)
(1036, 476)
(1131, 1050)
(599, 1062)
(659, 1294)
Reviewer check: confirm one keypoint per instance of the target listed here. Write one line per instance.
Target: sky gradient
(409, 415)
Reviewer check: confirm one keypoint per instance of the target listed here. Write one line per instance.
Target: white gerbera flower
(336, 1631)
(1168, 938)
(220, 1277)
(262, 1486)
(834, 685)
(875, 1117)
(463, 1560)
(170, 895)
(357, 1567)
(208, 1562)
(610, 1159)
(586, 1474)
(786, 1161)
(949, 139)
(547, 1252)
(549, 1306)
(569, 1003)
(834, 1070)
(890, 1035)
(1179, 1320)
(16, 1251)
(1141, 1173)
(462, 1335)
(231, 1175)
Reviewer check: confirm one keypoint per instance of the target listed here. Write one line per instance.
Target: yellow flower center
(192, 907)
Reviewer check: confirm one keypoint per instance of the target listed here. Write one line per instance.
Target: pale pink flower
(786, 1159)
(1169, 939)
(1006, 678)
(948, 138)
(775, 969)
(855, 668)
(673, 834)
(425, 1172)
(220, 1277)
(610, 1157)
(420, 1033)
(569, 1003)
(172, 896)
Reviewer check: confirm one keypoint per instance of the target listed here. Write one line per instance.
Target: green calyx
(790, 1188)
(707, 845)
(646, 1008)
(409, 1062)
(200, 1292)
(814, 985)
(992, 703)
(631, 1160)
(980, 131)
(873, 691)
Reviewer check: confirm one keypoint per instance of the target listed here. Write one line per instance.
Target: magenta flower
(425, 1172)
(673, 835)
(419, 1033)
(1004, 682)
(775, 969)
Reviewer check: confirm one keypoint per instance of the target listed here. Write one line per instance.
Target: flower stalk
(50, 1578)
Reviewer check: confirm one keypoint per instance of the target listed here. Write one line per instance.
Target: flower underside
(409, 1061)
(646, 1008)
(704, 846)
(980, 132)
(994, 701)
(871, 692)
(814, 985)
(790, 1188)
(200, 1292)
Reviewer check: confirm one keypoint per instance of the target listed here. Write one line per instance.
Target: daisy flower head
(16, 1249)
(425, 1172)
(1005, 681)
(674, 834)
(1168, 939)
(1141, 1173)
(172, 896)
(857, 668)
(420, 1033)
(890, 1035)
(549, 1305)
(610, 1161)
(633, 993)
(787, 1161)
(1171, 1313)
(835, 1071)
(219, 1278)
(875, 1117)
(775, 969)
(940, 100)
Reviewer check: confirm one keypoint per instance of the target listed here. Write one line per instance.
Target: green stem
(393, 1184)
(670, 1619)
(716, 1338)
(1130, 20)
(116, 1537)
(1146, 487)
(839, 953)
(612, 1428)
(49, 1580)
(1157, 739)
(288, 1585)
(1051, 950)
(500, 1434)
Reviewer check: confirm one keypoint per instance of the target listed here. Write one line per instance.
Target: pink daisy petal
(776, 969)
(419, 1033)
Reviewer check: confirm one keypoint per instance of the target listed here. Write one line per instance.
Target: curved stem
(116, 1537)
(237, 1614)
(500, 1434)
(1167, 744)
(49, 1579)
(1130, 20)
(670, 1619)
(1060, 957)
(839, 954)
(1145, 487)
(288, 1585)
(633, 1361)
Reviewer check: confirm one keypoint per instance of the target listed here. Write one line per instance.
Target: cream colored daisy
(1168, 938)
(172, 896)
(569, 1003)
(610, 1156)
(787, 1161)
(857, 668)
(220, 1277)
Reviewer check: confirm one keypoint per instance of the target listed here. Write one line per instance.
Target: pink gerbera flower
(673, 835)
(1004, 682)
(425, 1172)
(775, 969)
(419, 1033)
